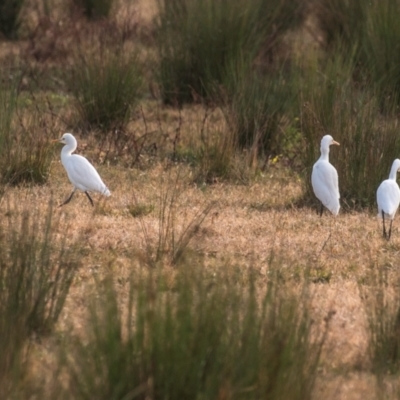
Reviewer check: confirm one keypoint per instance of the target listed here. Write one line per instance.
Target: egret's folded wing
(325, 183)
(83, 175)
(388, 197)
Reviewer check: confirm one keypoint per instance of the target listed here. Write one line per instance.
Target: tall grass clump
(211, 150)
(25, 150)
(106, 85)
(172, 241)
(28, 152)
(36, 272)
(381, 300)
(199, 39)
(195, 335)
(370, 27)
(255, 105)
(8, 106)
(342, 22)
(10, 17)
(381, 48)
(332, 104)
(215, 157)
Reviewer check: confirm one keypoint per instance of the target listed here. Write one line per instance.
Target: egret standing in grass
(80, 172)
(388, 198)
(324, 179)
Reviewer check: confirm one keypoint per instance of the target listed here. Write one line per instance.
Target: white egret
(80, 172)
(324, 179)
(388, 198)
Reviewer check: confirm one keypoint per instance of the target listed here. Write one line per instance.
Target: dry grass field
(256, 220)
(249, 226)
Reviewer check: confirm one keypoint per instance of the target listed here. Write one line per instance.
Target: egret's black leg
(68, 199)
(390, 229)
(383, 222)
(90, 199)
(321, 210)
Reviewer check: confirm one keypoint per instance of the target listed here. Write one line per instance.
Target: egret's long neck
(68, 149)
(324, 153)
(393, 172)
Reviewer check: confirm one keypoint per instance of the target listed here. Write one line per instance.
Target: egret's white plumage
(80, 172)
(324, 178)
(388, 197)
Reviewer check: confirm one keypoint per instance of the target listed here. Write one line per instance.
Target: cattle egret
(388, 198)
(80, 172)
(324, 179)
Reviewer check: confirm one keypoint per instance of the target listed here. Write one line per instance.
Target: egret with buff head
(80, 171)
(324, 179)
(388, 198)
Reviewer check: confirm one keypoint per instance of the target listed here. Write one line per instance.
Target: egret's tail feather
(333, 207)
(106, 192)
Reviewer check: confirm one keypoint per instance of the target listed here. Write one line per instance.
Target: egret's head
(67, 138)
(327, 140)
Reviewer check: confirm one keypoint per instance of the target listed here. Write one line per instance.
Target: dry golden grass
(254, 225)
(250, 226)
